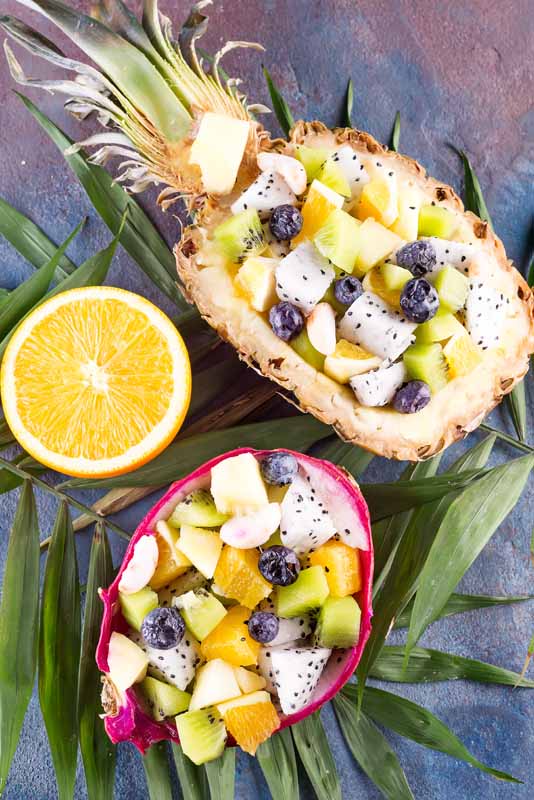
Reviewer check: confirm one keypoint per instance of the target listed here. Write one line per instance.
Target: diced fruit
(418, 257)
(238, 575)
(338, 239)
(378, 388)
(263, 626)
(339, 623)
(319, 204)
(136, 606)
(291, 169)
(452, 288)
(293, 673)
(376, 326)
(164, 700)
(237, 485)
(253, 529)
(378, 201)
(290, 630)
(190, 580)
(312, 159)
(442, 326)
(248, 681)
(419, 300)
(302, 345)
(330, 297)
(286, 320)
(309, 591)
(407, 223)
(347, 360)
(202, 735)
(171, 562)
(412, 397)
(306, 522)
(395, 277)
(256, 281)
(342, 567)
(279, 469)
(376, 243)
(285, 222)
(264, 194)
(241, 236)
(141, 566)
(426, 362)
(127, 664)
(250, 720)
(462, 355)
(197, 509)
(163, 628)
(202, 548)
(215, 682)
(218, 150)
(279, 565)
(201, 611)
(321, 328)
(374, 282)
(436, 221)
(331, 175)
(231, 641)
(303, 277)
(348, 161)
(176, 665)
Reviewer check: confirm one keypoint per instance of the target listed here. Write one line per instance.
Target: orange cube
(250, 725)
(231, 641)
(341, 565)
(238, 576)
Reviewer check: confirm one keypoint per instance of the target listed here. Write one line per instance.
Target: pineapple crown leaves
(150, 106)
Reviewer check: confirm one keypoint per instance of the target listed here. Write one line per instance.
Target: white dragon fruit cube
(303, 277)
(370, 323)
(268, 191)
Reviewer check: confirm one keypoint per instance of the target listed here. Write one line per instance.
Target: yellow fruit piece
(171, 561)
(376, 244)
(238, 576)
(251, 723)
(218, 150)
(462, 355)
(374, 282)
(330, 175)
(341, 565)
(230, 640)
(407, 223)
(348, 360)
(375, 200)
(256, 282)
(237, 486)
(95, 382)
(201, 547)
(248, 681)
(319, 204)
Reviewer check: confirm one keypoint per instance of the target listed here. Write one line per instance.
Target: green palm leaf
(312, 745)
(278, 762)
(221, 776)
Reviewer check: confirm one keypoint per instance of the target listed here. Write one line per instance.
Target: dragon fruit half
(126, 716)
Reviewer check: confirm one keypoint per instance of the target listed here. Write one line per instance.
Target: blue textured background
(462, 75)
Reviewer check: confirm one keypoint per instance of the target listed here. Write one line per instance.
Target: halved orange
(95, 382)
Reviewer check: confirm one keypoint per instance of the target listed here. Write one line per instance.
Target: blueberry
(163, 628)
(286, 320)
(279, 565)
(263, 626)
(412, 397)
(285, 222)
(419, 300)
(419, 257)
(279, 469)
(347, 290)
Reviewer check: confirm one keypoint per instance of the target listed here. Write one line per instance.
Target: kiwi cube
(309, 591)
(241, 236)
(339, 239)
(302, 345)
(312, 159)
(202, 734)
(395, 277)
(441, 327)
(197, 509)
(332, 176)
(426, 362)
(136, 606)
(452, 288)
(338, 624)
(201, 610)
(164, 700)
(436, 221)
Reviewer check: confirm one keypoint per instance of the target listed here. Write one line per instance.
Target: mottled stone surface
(462, 74)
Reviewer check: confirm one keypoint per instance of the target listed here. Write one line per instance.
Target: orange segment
(231, 641)
(250, 725)
(341, 565)
(319, 204)
(374, 200)
(238, 576)
(95, 382)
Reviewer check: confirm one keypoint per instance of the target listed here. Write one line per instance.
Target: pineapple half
(182, 126)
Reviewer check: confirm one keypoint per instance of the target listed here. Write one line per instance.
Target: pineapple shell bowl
(193, 679)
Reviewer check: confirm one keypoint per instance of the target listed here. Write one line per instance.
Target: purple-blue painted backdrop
(461, 74)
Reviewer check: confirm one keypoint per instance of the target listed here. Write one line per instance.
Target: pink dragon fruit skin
(131, 723)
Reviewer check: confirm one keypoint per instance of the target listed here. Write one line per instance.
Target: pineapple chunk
(214, 683)
(376, 243)
(127, 663)
(462, 355)
(244, 700)
(407, 223)
(348, 360)
(379, 197)
(218, 150)
(171, 561)
(256, 281)
(248, 681)
(237, 486)
(201, 547)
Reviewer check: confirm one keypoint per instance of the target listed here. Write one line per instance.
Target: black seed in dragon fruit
(268, 191)
(177, 666)
(375, 326)
(484, 314)
(292, 673)
(303, 277)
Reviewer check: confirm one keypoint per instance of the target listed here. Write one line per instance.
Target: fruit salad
(242, 605)
(368, 282)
